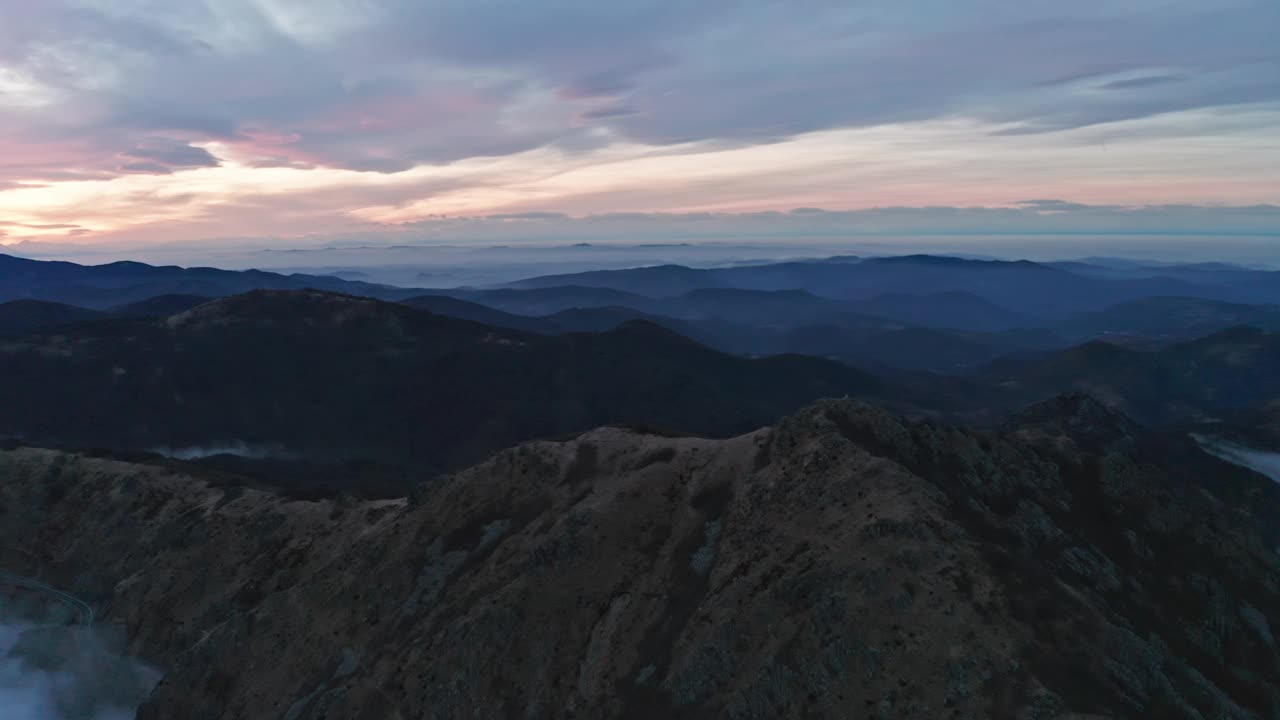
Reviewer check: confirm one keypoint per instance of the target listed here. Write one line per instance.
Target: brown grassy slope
(843, 564)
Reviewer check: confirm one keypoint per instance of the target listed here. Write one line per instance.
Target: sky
(289, 123)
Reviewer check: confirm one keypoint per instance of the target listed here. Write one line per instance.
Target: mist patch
(239, 449)
(1266, 463)
(55, 666)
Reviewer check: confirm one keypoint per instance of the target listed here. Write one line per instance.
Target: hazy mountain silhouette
(119, 283)
(601, 319)
(545, 301)
(770, 322)
(954, 310)
(454, 307)
(1170, 318)
(1035, 290)
(1246, 285)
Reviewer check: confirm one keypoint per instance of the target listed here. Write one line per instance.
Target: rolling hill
(22, 316)
(1184, 382)
(1170, 318)
(465, 310)
(335, 376)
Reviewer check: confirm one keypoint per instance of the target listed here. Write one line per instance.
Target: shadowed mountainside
(335, 377)
(843, 563)
(1189, 381)
(159, 306)
(18, 317)
(1170, 318)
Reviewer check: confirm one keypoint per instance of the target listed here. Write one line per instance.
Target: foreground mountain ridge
(843, 563)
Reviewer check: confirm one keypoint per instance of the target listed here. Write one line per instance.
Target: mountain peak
(160, 305)
(922, 259)
(22, 316)
(651, 331)
(1081, 417)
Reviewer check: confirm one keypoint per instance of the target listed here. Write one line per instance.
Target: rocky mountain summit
(843, 563)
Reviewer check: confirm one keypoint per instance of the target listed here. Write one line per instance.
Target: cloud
(527, 216)
(1143, 82)
(387, 85)
(45, 677)
(52, 670)
(1054, 205)
(604, 113)
(280, 118)
(165, 155)
(1219, 156)
(50, 226)
(1026, 219)
(146, 168)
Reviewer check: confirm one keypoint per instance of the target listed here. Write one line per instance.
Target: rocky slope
(844, 563)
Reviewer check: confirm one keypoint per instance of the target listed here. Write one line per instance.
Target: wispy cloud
(1143, 82)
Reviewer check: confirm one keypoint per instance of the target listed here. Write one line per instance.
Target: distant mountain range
(1036, 290)
(752, 322)
(562, 346)
(947, 332)
(101, 287)
(1074, 299)
(1168, 318)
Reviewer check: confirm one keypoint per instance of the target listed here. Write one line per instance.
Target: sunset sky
(159, 121)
